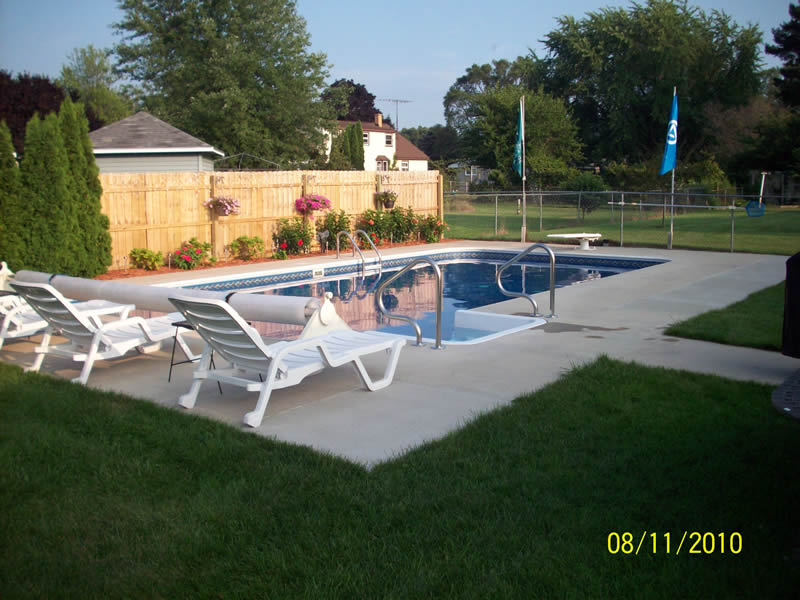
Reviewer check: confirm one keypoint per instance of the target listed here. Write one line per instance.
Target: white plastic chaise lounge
(20, 320)
(326, 341)
(89, 338)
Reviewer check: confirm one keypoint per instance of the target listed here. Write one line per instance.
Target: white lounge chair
(282, 364)
(20, 320)
(90, 338)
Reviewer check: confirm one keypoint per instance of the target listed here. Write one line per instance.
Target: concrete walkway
(436, 391)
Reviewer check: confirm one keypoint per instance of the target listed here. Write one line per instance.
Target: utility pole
(396, 105)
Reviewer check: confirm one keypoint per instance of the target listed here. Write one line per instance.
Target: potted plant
(387, 198)
(306, 205)
(223, 205)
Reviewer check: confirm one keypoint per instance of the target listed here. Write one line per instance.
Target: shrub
(376, 224)
(293, 236)
(335, 222)
(246, 248)
(402, 224)
(586, 182)
(142, 258)
(431, 228)
(192, 254)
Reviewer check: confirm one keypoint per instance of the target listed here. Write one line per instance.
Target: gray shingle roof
(143, 131)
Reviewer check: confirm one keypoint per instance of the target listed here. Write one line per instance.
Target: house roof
(408, 151)
(368, 126)
(143, 133)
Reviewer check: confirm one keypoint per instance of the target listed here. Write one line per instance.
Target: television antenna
(397, 103)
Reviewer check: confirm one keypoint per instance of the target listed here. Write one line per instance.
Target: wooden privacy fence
(159, 211)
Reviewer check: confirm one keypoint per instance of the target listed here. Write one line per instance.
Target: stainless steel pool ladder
(439, 291)
(357, 249)
(529, 297)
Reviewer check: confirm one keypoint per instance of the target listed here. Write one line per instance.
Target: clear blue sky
(412, 50)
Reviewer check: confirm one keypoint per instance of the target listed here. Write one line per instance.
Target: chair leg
(88, 364)
(188, 399)
(388, 373)
(40, 352)
(254, 417)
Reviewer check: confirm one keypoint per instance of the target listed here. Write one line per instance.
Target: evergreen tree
(77, 188)
(11, 244)
(787, 48)
(50, 224)
(357, 146)
(339, 161)
(93, 252)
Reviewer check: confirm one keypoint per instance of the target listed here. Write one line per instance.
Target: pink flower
(186, 257)
(197, 251)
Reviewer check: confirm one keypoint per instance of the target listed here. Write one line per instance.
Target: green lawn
(105, 496)
(756, 322)
(777, 232)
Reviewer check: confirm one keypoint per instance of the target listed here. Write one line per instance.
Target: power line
(397, 103)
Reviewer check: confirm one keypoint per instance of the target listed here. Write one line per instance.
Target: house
(385, 148)
(142, 143)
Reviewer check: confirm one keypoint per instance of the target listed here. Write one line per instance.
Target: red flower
(284, 245)
(371, 222)
(197, 251)
(186, 257)
(299, 242)
(374, 235)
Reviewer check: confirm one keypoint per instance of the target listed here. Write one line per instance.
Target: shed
(142, 143)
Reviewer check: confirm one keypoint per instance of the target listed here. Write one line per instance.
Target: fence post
(440, 197)
(733, 210)
(622, 221)
(212, 186)
(495, 216)
(578, 214)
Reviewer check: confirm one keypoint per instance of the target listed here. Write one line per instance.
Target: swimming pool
(469, 283)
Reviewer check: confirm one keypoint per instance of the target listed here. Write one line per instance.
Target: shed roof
(144, 133)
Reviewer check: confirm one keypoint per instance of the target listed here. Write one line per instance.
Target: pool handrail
(439, 294)
(357, 249)
(529, 297)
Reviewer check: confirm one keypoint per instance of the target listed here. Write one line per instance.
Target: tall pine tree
(93, 253)
(11, 244)
(50, 221)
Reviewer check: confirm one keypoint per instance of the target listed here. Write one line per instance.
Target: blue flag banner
(671, 147)
(519, 146)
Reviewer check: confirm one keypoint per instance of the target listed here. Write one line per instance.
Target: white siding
(153, 163)
(377, 147)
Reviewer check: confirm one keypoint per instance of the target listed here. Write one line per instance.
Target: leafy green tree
(94, 241)
(339, 159)
(552, 145)
(89, 76)
(235, 73)
(439, 142)
(618, 68)
(11, 244)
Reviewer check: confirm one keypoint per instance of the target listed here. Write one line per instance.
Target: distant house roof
(368, 126)
(408, 151)
(143, 133)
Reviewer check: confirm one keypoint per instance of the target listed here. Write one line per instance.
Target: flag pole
(524, 231)
(669, 161)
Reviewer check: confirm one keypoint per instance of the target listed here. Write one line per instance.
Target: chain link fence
(656, 219)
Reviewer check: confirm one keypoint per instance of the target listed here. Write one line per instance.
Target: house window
(388, 139)
(366, 138)
(382, 165)
(404, 165)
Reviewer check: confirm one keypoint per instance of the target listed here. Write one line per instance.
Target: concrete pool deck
(437, 391)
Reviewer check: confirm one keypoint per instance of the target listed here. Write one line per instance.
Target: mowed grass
(756, 322)
(777, 232)
(103, 496)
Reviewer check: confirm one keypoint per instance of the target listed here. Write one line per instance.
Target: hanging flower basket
(387, 198)
(306, 205)
(223, 205)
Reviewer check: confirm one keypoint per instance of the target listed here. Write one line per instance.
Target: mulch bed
(233, 262)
